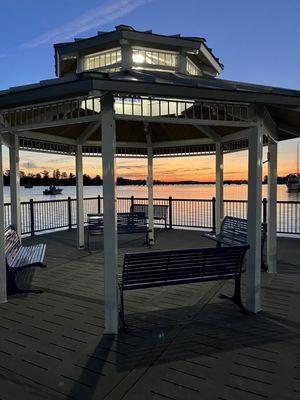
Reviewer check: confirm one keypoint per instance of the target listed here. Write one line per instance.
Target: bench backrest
(159, 210)
(131, 221)
(163, 268)
(126, 222)
(236, 229)
(12, 243)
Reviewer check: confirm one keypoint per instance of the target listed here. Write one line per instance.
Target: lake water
(231, 192)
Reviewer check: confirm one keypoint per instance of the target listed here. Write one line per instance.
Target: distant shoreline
(141, 184)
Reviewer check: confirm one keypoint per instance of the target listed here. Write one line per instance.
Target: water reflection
(234, 192)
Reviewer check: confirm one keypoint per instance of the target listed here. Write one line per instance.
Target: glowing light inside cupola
(138, 58)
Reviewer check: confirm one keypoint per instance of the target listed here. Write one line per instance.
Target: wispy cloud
(3, 55)
(93, 18)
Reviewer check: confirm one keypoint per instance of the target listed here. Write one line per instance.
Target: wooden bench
(174, 267)
(160, 211)
(19, 257)
(234, 232)
(127, 223)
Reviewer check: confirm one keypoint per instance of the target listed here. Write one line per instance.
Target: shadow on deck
(184, 342)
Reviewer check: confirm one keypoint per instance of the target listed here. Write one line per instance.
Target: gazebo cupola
(125, 49)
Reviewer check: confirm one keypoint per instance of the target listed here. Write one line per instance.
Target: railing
(47, 215)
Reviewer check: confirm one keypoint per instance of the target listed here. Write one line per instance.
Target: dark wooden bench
(234, 232)
(19, 257)
(127, 223)
(174, 267)
(160, 211)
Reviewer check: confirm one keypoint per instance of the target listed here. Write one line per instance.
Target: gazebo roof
(184, 113)
(153, 83)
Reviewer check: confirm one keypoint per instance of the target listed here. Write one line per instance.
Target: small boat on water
(52, 190)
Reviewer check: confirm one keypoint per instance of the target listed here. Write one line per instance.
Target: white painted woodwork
(87, 133)
(3, 294)
(150, 187)
(209, 132)
(219, 187)
(14, 162)
(79, 197)
(272, 209)
(109, 215)
(253, 277)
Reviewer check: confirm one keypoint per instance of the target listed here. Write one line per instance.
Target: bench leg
(12, 287)
(236, 298)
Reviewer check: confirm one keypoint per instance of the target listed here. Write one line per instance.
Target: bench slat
(19, 257)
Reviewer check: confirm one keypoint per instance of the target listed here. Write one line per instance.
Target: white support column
(109, 214)
(14, 162)
(150, 186)
(79, 197)
(255, 144)
(272, 209)
(219, 187)
(3, 294)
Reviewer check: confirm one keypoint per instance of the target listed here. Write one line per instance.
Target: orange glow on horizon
(195, 168)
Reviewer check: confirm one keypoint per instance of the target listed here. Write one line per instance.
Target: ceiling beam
(209, 132)
(45, 136)
(270, 125)
(184, 121)
(242, 134)
(6, 139)
(87, 133)
(292, 130)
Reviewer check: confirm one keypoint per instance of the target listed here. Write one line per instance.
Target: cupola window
(192, 68)
(103, 59)
(154, 57)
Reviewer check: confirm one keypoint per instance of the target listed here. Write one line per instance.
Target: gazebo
(128, 93)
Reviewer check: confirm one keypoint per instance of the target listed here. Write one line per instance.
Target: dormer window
(192, 68)
(103, 59)
(154, 57)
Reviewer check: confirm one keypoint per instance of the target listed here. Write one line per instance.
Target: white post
(255, 145)
(109, 214)
(150, 187)
(14, 161)
(3, 294)
(272, 209)
(79, 197)
(219, 187)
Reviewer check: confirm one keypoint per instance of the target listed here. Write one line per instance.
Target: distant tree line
(58, 178)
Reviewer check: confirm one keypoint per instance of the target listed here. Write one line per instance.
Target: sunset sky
(257, 41)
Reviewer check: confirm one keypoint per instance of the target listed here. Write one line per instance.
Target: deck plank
(184, 342)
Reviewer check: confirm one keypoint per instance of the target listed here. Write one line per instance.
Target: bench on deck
(127, 223)
(234, 232)
(160, 211)
(175, 267)
(19, 257)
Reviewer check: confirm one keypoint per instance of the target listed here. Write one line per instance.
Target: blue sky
(257, 40)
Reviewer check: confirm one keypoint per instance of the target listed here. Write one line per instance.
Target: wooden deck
(184, 342)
